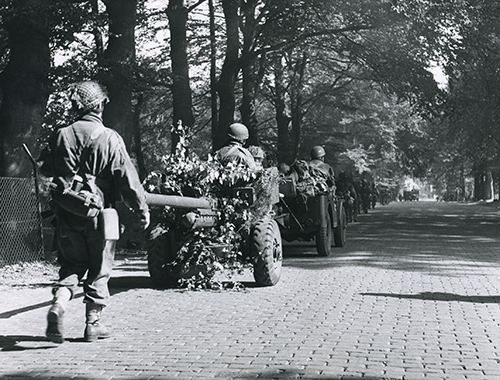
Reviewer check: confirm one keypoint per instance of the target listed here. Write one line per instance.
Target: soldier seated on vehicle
(258, 155)
(234, 151)
(318, 163)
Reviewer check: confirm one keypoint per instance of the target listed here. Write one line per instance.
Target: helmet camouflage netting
(87, 95)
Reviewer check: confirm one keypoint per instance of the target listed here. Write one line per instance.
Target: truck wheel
(324, 238)
(161, 255)
(267, 252)
(339, 232)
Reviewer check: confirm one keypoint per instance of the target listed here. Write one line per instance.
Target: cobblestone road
(415, 294)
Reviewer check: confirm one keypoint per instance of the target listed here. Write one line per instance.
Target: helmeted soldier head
(284, 168)
(238, 132)
(87, 96)
(318, 153)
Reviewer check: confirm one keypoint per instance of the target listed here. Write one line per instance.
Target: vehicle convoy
(411, 195)
(319, 215)
(260, 241)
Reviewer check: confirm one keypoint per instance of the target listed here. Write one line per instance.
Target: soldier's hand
(144, 220)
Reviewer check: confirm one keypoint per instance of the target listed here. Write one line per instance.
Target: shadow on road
(42, 375)
(11, 313)
(278, 374)
(437, 296)
(285, 374)
(11, 343)
(424, 236)
(124, 283)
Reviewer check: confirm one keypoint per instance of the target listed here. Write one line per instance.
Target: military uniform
(80, 242)
(365, 195)
(325, 169)
(236, 153)
(345, 189)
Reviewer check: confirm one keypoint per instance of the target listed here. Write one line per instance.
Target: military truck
(320, 216)
(411, 195)
(260, 241)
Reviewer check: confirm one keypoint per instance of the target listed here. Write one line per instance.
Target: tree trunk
(489, 193)
(96, 31)
(177, 14)
(248, 71)
(213, 71)
(119, 67)
(282, 119)
(296, 108)
(483, 182)
(462, 183)
(139, 156)
(477, 185)
(229, 72)
(24, 84)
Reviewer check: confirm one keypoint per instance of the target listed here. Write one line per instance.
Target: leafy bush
(206, 251)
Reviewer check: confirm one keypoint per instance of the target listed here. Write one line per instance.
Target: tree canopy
(354, 76)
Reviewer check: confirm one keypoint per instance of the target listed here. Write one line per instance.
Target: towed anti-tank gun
(258, 238)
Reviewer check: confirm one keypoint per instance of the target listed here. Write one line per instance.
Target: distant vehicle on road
(411, 195)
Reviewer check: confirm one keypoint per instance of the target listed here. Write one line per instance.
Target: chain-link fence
(20, 221)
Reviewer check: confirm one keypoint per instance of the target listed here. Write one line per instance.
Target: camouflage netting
(209, 250)
(309, 181)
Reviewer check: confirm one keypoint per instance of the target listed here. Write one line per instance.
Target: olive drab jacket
(236, 153)
(325, 169)
(88, 146)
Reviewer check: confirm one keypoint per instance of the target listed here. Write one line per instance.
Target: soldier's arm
(126, 178)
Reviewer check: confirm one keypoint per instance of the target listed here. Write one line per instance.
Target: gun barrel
(161, 200)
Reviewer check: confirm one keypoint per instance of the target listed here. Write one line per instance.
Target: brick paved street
(415, 294)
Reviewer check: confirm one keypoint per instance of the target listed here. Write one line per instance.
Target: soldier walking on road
(345, 189)
(88, 153)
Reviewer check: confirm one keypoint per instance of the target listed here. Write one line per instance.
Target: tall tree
(24, 83)
(248, 68)
(118, 66)
(213, 72)
(229, 71)
(177, 13)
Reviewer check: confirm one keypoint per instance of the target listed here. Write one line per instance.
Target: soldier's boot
(55, 315)
(94, 329)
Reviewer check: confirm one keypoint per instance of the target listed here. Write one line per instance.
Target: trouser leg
(101, 257)
(102, 254)
(72, 258)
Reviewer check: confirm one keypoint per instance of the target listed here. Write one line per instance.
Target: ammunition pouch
(82, 203)
(81, 199)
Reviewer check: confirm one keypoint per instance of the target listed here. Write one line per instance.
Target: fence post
(37, 194)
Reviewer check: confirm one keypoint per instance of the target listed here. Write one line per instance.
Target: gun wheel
(324, 238)
(267, 251)
(161, 254)
(339, 232)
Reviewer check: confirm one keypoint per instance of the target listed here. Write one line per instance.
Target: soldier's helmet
(86, 96)
(238, 131)
(317, 152)
(257, 152)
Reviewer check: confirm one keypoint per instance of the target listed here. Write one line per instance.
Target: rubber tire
(339, 232)
(324, 238)
(159, 254)
(267, 251)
